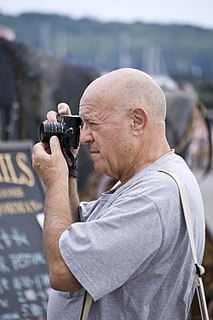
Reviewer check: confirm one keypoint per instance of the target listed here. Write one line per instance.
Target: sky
(194, 12)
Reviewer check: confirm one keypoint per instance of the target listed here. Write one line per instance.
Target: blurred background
(50, 51)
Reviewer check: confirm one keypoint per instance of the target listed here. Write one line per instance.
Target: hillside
(184, 52)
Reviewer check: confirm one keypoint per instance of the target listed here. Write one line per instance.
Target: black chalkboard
(24, 280)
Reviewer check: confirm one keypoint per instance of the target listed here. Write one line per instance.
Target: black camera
(67, 129)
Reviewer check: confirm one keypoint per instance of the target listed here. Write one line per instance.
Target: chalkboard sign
(24, 280)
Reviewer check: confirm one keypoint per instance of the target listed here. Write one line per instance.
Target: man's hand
(47, 158)
(49, 162)
(63, 109)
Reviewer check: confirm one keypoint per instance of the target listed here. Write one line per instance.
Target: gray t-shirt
(131, 251)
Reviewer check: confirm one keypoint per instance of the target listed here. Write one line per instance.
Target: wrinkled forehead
(99, 99)
(94, 106)
(89, 111)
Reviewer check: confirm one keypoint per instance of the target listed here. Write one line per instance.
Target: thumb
(54, 144)
(58, 159)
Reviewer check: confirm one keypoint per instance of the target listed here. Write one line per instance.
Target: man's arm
(61, 210)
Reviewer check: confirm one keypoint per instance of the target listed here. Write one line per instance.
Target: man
(129, 249)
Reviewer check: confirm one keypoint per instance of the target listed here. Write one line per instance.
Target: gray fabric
(131, 251)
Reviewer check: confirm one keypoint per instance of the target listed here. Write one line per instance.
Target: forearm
(58, 217)
(57, 220)
(61, 208)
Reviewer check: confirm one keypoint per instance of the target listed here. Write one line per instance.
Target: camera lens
(49, 129)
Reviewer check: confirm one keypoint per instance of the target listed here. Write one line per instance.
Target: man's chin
(98, 167)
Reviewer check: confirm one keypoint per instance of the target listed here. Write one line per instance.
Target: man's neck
(143, 160)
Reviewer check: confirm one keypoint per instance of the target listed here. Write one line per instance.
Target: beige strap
(86, 306)
(199, 269)
(186, 210)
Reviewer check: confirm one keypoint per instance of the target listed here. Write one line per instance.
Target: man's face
(105, 132)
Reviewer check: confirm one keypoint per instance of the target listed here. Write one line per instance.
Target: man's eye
(92, 124)
(89, 124)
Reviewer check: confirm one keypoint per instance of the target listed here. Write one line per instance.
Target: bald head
(123, 113)
(128, 88)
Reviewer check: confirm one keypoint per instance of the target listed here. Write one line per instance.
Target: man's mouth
(94, 152)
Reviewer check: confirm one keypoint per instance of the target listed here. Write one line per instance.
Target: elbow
(64, 282)
(55, 283)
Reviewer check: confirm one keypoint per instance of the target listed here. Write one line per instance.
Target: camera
(67, 129)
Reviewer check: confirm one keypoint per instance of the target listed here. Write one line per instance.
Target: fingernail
(54, 138)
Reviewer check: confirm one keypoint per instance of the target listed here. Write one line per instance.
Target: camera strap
(73, 167)
(199, 270)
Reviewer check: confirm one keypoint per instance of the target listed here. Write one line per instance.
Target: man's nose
(86, 135)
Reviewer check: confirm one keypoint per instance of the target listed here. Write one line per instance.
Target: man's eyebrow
(87, 118)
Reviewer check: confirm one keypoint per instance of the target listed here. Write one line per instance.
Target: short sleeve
(104, 253)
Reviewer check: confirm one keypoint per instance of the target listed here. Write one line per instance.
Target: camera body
(67, 129)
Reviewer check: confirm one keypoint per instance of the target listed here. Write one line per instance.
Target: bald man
(129, 249)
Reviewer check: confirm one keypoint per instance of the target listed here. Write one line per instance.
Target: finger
(38, 148)
(54, 144)
(38, 152)
(63, 108)
(51, 116)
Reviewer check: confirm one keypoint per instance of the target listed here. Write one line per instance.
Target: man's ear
(139, 118)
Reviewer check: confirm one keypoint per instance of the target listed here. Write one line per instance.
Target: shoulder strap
(86, 306)
(199, 269)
